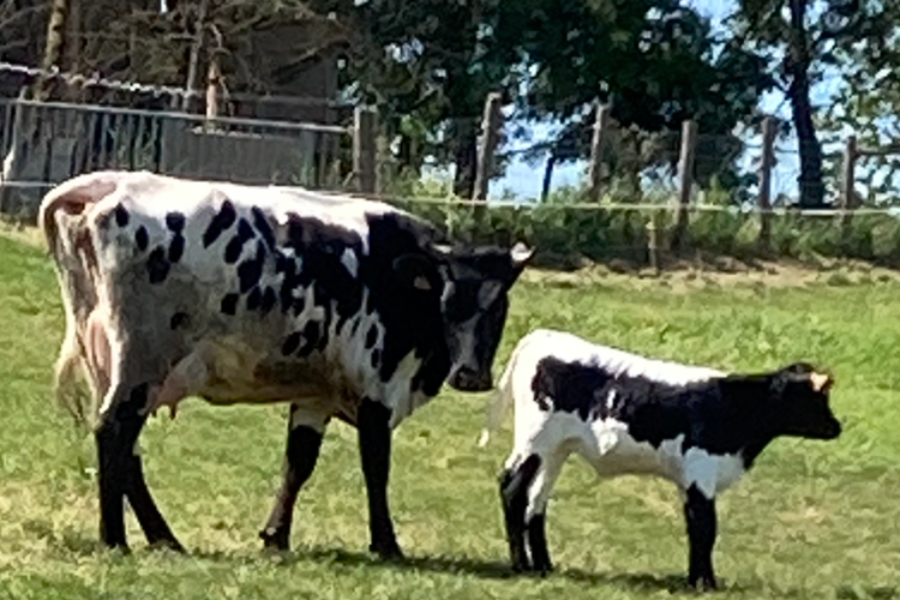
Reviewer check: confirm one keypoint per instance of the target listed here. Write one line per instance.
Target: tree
(862, 44)
(655, 62)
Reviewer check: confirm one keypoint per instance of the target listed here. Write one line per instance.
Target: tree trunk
(548, 177)
(812, 189)
(465, 157)
(56, 32)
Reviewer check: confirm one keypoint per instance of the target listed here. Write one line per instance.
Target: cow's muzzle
(465, 379)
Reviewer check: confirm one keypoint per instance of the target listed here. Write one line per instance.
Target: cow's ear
(521, 254)
(416, 271)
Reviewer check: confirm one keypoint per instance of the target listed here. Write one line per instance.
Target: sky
(525, 180)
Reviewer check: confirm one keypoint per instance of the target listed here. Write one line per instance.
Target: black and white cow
(340, 307)
(699, 428)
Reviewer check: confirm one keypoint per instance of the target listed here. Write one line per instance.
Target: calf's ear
(416, 271)
(821, 382)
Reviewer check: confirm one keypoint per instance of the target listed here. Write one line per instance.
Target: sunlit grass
(813, 520)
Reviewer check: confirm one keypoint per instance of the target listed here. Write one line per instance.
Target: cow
(698, 428)
(338, 306)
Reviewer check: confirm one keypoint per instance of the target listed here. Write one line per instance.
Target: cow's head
(475, 302)
(800, 395)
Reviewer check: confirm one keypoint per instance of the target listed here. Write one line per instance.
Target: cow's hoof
(542, 570)
(389, 551)
(119, 548)
(703, 584)
(172, 545)
(275, 539)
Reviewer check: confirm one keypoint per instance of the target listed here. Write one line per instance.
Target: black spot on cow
(236, 244)
(288, 266)
(229, 304)
(157, 265)
(121, 214)
(179, 319)
(175, 222)
(269, 299)
(322, 245)
(251, 269)
(176, 248)
(312, 335)
(262, 226)
(291, 343)
(141, 238)
(254, 299)
(220, 222)
(371, 337)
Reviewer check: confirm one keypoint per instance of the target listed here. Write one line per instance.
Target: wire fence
(653, 208)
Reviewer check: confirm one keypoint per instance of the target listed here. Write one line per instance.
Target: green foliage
(563, 230)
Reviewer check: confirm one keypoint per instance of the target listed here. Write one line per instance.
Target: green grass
(813, 520)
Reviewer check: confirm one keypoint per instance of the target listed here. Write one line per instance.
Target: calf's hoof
(275, 539)
(521, 566)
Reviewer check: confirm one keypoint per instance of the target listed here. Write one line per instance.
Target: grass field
(813, 520)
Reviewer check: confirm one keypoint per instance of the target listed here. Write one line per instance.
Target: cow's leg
(536, 513)
(120, 425)
(154, 526)
(373, 423)
(302, 452)
(514, 484)
(700, 514)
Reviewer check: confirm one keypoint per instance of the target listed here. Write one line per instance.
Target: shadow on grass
(488, 569)
(485, 569)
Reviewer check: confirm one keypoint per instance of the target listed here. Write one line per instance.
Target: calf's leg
(514, 484)
(373, 423)
(700, 514)
(536, 513)
(301, 454)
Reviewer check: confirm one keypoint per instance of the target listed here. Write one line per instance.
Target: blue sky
(525, 181)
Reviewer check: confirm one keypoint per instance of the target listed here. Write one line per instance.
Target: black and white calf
(699, 428)
(340, 307)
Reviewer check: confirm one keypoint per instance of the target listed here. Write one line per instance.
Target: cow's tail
(503, 395)
(60, 214)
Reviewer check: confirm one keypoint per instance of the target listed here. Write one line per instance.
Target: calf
(699, 428)
(340, 307)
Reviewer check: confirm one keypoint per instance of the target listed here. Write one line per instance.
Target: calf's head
(801, 395)
(475, 303)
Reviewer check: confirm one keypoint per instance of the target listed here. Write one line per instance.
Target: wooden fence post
(487, 145)
(848, 194)
(213, 80)
(654, 231)
(365, 149)
(601, 125)
(685, 180)
(769, 130)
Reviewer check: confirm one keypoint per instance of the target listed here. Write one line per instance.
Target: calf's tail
(502, 397)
